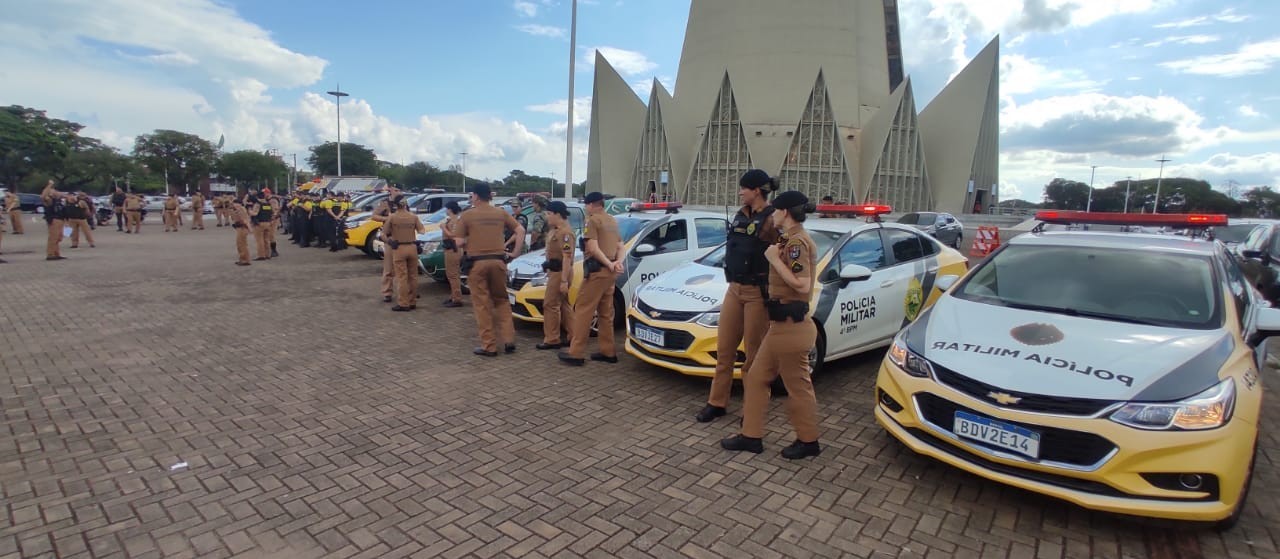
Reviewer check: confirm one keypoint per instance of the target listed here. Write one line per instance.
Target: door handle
(886, 283)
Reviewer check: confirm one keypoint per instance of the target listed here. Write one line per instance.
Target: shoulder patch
(793, 251)
(797, 267)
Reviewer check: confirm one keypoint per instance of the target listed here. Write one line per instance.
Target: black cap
(754, 178)
(481, 189)
(558, 207)
(790, 199)
(593, 197)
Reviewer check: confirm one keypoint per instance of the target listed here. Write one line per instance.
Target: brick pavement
(315, 423)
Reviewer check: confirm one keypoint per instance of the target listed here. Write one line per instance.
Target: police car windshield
(925, 218)
(1143, 287)
(1234, 233)
(823, 239)
(437, 216)
(629, 226)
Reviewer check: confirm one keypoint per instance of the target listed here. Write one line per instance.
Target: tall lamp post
(1088, 205)
(1159, 178)
(464, 171)
(1128, 182)
(568, 149)
(337, 103)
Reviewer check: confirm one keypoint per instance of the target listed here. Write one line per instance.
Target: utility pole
(338, 94)
(464, 171)
(1128, 184)
(568, 149)
(1233, 189)
(1159, 178)
(1088, 205)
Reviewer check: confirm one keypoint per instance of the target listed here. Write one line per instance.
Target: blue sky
(1088, 82)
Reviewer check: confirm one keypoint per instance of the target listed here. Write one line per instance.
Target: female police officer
(742, 316)
(785, 349)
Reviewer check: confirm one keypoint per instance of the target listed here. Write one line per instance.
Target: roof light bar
(854, 209)
(643, 206)
(1063, 217)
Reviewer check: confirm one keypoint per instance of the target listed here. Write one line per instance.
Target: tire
(956, 244)
(368, 246)
(1231, 521)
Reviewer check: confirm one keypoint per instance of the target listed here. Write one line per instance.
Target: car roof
(1125, 241)
(846, 224)
(658, 214)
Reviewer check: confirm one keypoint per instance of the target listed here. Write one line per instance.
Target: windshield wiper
(1080, 313)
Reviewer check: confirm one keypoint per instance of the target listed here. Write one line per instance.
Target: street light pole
(1128, 183)
(1159, 178)
(568, 149)
(337, 103)
(1089, 204)
(464, 171)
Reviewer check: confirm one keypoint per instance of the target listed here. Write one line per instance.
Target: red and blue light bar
(645, 206)
(854, 209)
(1065, 217)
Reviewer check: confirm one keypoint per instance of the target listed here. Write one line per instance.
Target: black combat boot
(274, 254)
(739, 443)
(709, 413)
(799, 450)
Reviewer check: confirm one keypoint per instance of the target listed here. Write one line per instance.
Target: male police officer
(557, 314)
(197, 211)
(452, 256)
(133, 204)
(55, 217)
(401, 231)
(381, 213)
(238, 218)
(13, 206)
(78, 213)
(171, 213)
(538, 223)
(260, 212)
(480, 232)
(743, 318)
(601, 264)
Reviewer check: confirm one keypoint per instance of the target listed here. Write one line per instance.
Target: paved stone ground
(312, 422)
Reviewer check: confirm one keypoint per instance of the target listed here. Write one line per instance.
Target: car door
(912, 264)
(854, 319)
(659, 247)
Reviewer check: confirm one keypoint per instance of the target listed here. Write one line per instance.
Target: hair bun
(810, 207)
(773, 184)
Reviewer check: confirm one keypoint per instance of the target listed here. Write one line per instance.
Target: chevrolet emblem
(1004, 399)
(654, 314)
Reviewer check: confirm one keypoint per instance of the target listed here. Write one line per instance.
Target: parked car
(30, 202)
(1259, 257)
(942, 226)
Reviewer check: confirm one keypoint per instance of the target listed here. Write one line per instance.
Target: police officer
(304, 221)
(55, 218)
(381, 212)
(480, 234)
(13, 206)
(785, 349)
(171, 213)
(601, 264)
(742, 316)
(335, 221)
(78, 213)
(117, 208)
(538, 223)
(452, 255)
(238, 218)
(402, 228)
(557, 314)
(274, 202)
(322, 221)
(197, 211)
(133, 213)
(260, 215)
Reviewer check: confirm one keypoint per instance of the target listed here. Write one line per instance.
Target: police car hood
(689, 287)
(1036, 352)
(430, 236)
(530, 263)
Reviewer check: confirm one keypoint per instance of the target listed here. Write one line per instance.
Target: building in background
(813, 92)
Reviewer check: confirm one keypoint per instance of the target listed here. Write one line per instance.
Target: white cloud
(1252, 58)
(543, 30)
(1249, 111)
(1225, 16)
(560, 108)
(1094, 123)
(1184, 40)
(526, 9)
(1021, 75)
(626, 62)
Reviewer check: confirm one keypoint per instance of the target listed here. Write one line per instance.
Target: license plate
(1009, 437)
(650, 335)
(511, 297)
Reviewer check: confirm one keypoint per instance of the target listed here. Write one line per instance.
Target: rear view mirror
(945, 283)
(644, 249)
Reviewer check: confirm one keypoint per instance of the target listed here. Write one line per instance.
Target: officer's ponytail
(799, 213)
(771, 186)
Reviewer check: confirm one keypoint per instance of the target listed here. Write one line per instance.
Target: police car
(873, 278)
(656, 237)
(1117, 371)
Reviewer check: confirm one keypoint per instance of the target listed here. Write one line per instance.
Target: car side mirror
(855, 272)
(951, 220)
(945, 283)
(1261, 256)
(645, 249)
(1266, 325)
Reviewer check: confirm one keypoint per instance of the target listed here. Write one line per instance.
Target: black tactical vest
(744, 260)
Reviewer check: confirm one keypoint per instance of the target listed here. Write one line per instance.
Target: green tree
(357, 160)
(1261, 201)
(1064, 194)
(251, 166)
(93, 167)
(185, 158)
(31, 143)
(393, 173)
(419, 175)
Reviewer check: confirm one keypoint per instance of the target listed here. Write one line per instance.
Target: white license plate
(511, 297)
(650, 335)
(1009, 437)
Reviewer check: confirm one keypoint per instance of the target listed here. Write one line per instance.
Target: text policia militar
(1043, 359)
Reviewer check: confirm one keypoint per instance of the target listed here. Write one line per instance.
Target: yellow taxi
(873, 278)
(1059, 366)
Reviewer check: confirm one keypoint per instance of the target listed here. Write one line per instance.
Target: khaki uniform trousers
(557, 313)
(595, 299)
(743, 320)
(79, 226)
(15, 221)
(219, 214)
(262, 232)
(488, 283)
(242, 244)
(785, 353)
(405, 262)
(55, 237)
(197, 218)
(135, 221)
(453, 272)
(170, 221)
(388, 272)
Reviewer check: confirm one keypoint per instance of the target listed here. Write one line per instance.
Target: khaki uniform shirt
(798, 252)
(132, 204)
(402, 227)
(482, 226)
(171, 204)
(604, 229)
(239, 215)
(11, 202)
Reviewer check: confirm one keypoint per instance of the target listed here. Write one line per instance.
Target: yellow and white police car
(1117, 371)
(656, 237)
(873, 278)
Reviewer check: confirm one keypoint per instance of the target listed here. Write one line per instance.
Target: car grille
(639, 346)
(673, 340)
(1064, 446)
(1030, 402)
(669, 316)
(517, 282)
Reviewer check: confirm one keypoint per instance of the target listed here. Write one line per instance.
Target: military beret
(558, 207)
(593, 197)
(790, 199)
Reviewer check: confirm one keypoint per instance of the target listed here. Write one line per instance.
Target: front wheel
(368, 245)
(956, 243)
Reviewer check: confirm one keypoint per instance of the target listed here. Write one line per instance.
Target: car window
(1257, 239)
(711, 231)
(628, 227)
(1275, 243)
(940, 221)
(1234, 233)
(922, 218)
(864, 249)
(929, 246)
(576, 219)
(1236, 283)
(1109, 284)
(715, 258)
(904, 245)
(672, 236)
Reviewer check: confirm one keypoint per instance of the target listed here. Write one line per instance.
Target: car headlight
(539, 280)
(511, 276)
(430, 246)
(709, 319)
(908, 360)
(1207, 410)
